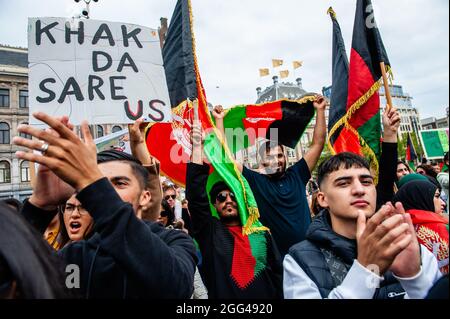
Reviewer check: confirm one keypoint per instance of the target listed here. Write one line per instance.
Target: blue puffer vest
(323, 247)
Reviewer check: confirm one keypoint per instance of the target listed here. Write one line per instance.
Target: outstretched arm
(137, 143)
(388, 159)
(320, 133)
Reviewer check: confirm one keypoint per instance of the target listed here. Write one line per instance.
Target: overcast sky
(237, 37)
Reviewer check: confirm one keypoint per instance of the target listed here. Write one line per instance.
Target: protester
(443, 180)
(421, 199)
(139, 150)
(56, 233)
(436, 167)
(402, 169)
(426, 170)
(229, 257)
(128, 254)
(77, 220)
(388, 164)
(350, 249)
(28, 268)
(280, 193)
(170, 195)
(166, 216)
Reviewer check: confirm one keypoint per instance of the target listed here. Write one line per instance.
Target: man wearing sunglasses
(228, 265)
(170, 195)
(280, 191)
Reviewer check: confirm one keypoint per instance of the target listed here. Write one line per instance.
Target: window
(4, 98)
(25, 171)
(100, 131)
(5, 172)
(116, 129)
(23, 99)
(25, 135)
(4, 133)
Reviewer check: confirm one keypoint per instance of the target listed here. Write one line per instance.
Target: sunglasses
(169, 196)
(222, 197)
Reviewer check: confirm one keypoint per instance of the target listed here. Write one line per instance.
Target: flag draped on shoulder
(359, 129)
(170, 142)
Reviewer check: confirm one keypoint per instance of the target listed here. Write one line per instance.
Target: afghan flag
(170, 142)
(411, 154)
(282, 121)
(361, 124)
(341, 138)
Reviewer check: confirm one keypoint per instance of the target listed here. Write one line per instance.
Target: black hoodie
(126, 257)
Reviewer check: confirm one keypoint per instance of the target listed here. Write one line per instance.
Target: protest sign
(104, 72)
(119, 141)
(434, 143)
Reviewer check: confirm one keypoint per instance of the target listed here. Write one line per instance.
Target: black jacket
(126, 257)
(320, 239)
(217, 246)
(387, 173)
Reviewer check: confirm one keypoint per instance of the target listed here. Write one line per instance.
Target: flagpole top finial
(331, 12)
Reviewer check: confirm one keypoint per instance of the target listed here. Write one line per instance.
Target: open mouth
(75, 225)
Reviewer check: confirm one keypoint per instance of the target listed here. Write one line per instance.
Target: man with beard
(280, 193)
(234, 265)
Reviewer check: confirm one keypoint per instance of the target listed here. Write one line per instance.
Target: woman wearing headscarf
(421, 199)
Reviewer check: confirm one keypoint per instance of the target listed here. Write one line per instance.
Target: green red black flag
(362, 117)
(341, 138)
(411, 155)
(170, 142)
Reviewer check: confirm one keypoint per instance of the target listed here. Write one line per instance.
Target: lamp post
(85, 11)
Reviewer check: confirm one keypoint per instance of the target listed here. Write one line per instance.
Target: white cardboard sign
(103, 72)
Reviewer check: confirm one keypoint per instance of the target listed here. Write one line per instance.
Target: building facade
(409, 115)
(430, 123)
(15, 175)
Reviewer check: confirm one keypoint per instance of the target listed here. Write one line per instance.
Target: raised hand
(391, 123)
(70, 158)
(218, 112)
(320, 103)
(137, 142)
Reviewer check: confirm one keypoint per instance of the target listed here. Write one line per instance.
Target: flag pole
(386, 86)
(196, 157)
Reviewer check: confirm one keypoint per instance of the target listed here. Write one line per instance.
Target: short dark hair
(138, 170)
(428, 170)
(267, 146)
(170, 186)
(334, 163)
(216, 189)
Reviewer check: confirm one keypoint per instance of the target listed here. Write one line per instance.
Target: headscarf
(417, 194)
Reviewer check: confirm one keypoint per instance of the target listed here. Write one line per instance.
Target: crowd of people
(105, 225)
